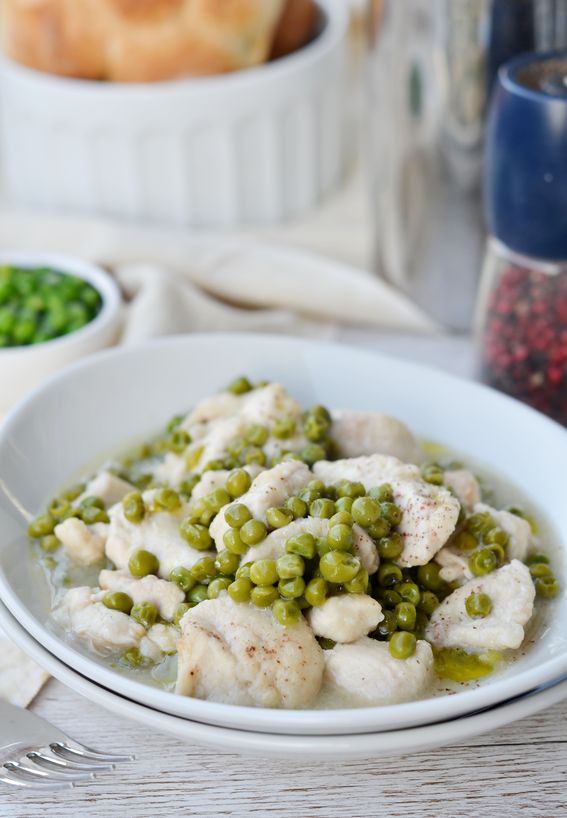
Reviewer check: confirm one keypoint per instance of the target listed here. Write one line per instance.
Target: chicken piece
(271, 488)
(160, 641)
(216, 479)
(108, 488)
(274, 545)
(454, 565)
(465, 486)
(430, 513)
(345, 618)
(215, 407)
(166, 596)
(365, 673)
(83, 543)
(362, 433)
(512, 593)
(105, 631)
(158, 533)
(238, 654)
(517, 528)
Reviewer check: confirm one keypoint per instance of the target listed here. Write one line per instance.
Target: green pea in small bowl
(54, 310)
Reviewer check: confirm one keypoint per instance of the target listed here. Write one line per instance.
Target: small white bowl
(22, 368)
(249, 148)
(95, 407)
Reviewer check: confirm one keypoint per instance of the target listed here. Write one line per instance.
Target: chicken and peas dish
(268, 556)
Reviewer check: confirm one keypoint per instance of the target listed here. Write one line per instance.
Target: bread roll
(140, 40)
(296, 27)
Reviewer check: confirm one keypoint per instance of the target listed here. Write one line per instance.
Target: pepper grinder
(522, 307)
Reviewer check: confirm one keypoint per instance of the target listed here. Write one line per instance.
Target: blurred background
(304, 166)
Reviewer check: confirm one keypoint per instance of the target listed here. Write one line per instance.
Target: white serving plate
(319, 748)
(22, 368)
(253, 147)
(95, 406)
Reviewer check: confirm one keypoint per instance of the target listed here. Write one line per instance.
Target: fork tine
(37, 771)
(76, 760)
(60, 765)
(92, 755)
(16, 780)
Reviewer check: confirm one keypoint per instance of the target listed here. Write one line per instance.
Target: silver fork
(34, 753)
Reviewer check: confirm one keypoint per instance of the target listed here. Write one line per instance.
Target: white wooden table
(517, 772)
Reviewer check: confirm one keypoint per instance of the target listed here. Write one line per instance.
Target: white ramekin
(250, 148)
(22, 368)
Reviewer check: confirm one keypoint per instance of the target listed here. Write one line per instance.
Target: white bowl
(270, 745)
(22, 368)
(93, 408)
(252, 147)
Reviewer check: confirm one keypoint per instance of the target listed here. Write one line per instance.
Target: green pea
(433, 474)
(217, 586)
(315, 428)
(465, 541)
(233, 543)
(339, 566)
(186, 486)
(297, 507)
(547, 586)
(145, 613)
(383, 493)
(316, 591)
(497, 535)
(301, 544)
(253, 532)
(322, 507)
(183, 579)
(49, 543)
(428, 602)
(290, 566)
(237, 514)
(532, 559)
(238, 482)
(389, 574)
(381, 528)
(459, 666)
(286, 611)
(391, 513)
(340, 537)
(264, 596)
(390, 548)
(240, 589)
(409, 592)
(91, 502)
(358, 585)
(134, 658)
(540, 569)
(214, 465)
(257, 435)
(202, 513)
(312, 453)
(227, 562)
(278, 517)
(177, 441)
(388, 625)
(74, 491)
(204, 569)
(142, 563)
(41, 526)
(92, 515)
(498, 551)
(133, 507)
(402, 645)
(166, 500)
(480, 523)
(482, 562)
(291, 588)
(197, 536)
(344, 504)
(60, 508)
(346, 488)
(118, 601)
(341, 518)
(264, 572)
(365, 511)
(239, 386)
(217, 499)
(198, 594)
(390, 598)
(428, 577)
(406, 616)
(253, 454)
(478, 605)
(284, 428)
(181, 610)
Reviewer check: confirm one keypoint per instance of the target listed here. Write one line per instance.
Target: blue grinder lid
(526, 156)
